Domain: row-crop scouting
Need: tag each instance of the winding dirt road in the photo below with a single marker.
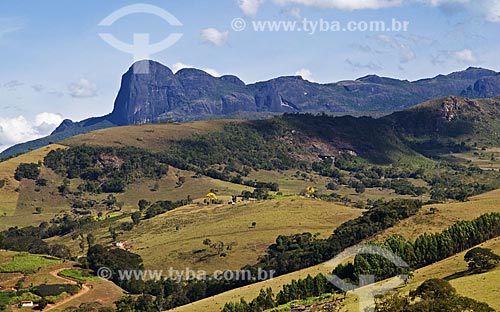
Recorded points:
(83, 291)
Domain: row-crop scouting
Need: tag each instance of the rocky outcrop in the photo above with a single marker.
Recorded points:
(192, 94)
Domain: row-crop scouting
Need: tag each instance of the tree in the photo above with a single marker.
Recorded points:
(143, 204)
(310, 191)
(27, 171)
(42, 304)
(90, 239)
(217, 246)
(112, 232)
(136, 217)
(64, 187)
(332, 186)
(60, 251)
(41, 182)
(434, 295)
(434, 289)
(211, 198)
(81, 244)
(110, 201)
(117, 259)
(360, 188)
(38, 210)
(481, 259)
(181, 181)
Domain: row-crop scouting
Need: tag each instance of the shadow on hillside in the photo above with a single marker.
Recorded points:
(460, 274)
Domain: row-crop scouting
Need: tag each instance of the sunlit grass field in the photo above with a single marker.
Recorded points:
(11, 262)
(486, 284)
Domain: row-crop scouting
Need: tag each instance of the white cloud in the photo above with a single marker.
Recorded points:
(344, 4)
(19, 129)
(492, 12)
(444, 2)
(305, 73)
(179, 65)
(465, 56)
(45, 119)
(486, 9)
(82, 89)
(214, 36)
(250, 7)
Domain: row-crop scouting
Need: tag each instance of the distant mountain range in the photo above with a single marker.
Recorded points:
(192, 94)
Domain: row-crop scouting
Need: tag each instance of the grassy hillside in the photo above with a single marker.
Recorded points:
(410, 228)
(13, 262)
(18, 205)
(168, 187)
(231, 224)
(446, 215)
(179, 234)
(152, 137)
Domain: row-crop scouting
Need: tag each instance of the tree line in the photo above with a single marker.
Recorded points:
(425, 249)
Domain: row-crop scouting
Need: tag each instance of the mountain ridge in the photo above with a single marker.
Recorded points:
(192, 94)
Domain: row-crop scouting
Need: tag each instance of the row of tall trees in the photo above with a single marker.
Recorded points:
(425, 249)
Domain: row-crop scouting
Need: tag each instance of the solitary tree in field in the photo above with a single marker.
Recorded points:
(481, 259)
(310, 191)
(360, 189)
(211, 198)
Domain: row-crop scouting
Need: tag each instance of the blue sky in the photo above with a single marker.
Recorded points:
(55, 65)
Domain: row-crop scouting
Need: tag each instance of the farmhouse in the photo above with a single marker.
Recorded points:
(27, 303)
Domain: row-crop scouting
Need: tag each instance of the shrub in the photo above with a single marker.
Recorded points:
(27, 171)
